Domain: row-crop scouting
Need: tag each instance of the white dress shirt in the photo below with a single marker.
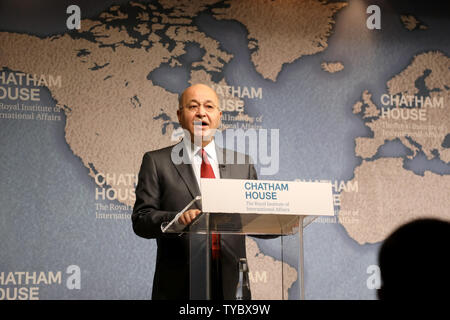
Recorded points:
(195, 156)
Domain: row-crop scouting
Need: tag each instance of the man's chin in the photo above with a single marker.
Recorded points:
(205, 136)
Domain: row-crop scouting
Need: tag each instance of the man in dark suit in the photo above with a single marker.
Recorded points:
(166, 186)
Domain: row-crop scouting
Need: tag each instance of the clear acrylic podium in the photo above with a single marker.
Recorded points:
(269, 273)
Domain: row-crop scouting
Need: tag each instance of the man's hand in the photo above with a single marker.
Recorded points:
(188, 216)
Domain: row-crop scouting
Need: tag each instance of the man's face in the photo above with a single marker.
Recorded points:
(200, 113)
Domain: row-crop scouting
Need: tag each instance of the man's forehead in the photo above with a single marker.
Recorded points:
(198, 101)
(200, 94)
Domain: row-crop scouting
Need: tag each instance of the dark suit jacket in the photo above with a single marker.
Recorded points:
(164, 189)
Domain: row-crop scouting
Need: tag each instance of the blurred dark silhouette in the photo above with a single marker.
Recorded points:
(414, 262)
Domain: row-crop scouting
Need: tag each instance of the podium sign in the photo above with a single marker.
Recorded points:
(267, 197)
(249, 207)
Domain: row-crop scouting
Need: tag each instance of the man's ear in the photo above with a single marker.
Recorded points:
(220, 118)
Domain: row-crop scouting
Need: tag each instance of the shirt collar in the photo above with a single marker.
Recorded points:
(194, 149)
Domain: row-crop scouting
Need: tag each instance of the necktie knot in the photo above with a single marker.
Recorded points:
(204, 156)
(206, 170)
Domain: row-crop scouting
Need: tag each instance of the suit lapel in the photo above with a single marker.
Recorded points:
(224, 168)
(224, 171)
(187, 175)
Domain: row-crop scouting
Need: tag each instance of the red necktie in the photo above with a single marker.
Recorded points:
(206, 171)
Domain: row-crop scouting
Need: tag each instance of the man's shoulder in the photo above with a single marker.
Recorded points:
(160, 153)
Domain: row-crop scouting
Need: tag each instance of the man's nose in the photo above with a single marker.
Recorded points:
(201, 111)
